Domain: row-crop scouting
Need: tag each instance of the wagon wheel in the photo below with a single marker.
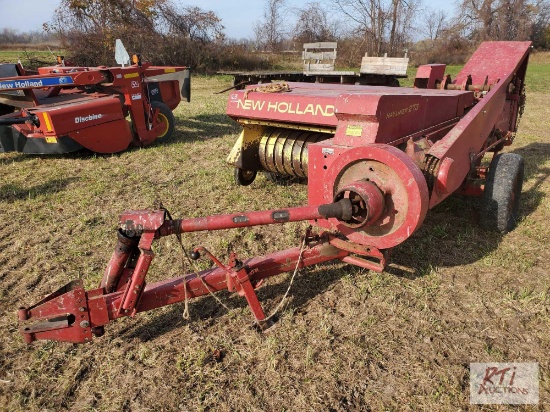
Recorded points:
(499, 209)
(164, 122)
(393, 82)
(244, 177)
(6, 109)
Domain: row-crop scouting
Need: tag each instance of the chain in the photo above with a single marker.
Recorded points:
(185, 255)
(522, 99)
(185, 313)
(302, 248)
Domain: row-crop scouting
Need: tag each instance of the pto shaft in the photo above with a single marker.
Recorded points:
(341, 210)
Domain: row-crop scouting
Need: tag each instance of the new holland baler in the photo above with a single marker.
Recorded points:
(376, 160)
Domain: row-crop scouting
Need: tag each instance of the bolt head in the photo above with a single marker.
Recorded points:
(195, 255)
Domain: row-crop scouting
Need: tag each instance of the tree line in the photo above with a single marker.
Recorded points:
(394, 26)
(12, 37)
(167, 33)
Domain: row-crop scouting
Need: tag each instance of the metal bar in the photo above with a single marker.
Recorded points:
(474, 128)
(483, 152)
(236, 86)
(244, 288)
(167, 292)
(364, 263)
(123, 249)
(471, 87)
(16, 120)
(135, 286)
(428, 132)
(263, 217)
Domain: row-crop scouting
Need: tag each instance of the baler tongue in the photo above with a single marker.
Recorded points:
(73, 315)
(61, 316)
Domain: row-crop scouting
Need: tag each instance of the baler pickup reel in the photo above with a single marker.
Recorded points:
(72, 314)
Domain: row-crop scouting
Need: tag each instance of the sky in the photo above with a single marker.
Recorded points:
(238, 16)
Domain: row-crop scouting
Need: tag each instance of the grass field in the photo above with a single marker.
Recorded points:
(30, 59)
(347, 339)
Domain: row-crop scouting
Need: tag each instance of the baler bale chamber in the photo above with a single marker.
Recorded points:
(376, 160)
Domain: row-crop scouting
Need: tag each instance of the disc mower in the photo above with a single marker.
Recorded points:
(63, 109)
(376, 160)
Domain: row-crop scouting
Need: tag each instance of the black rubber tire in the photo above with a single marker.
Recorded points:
(277, 179)
(244, 177)
(6, 109)
(166, 116)
(394, 83)
(499, 209)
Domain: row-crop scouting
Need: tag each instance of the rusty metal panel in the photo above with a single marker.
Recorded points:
(496, 60)
(428, 74)
(494, 63)
(384, 118)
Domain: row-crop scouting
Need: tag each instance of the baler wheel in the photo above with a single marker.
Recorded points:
(393, 83)
(499, 209)
(166, 117)
(244, 177)
(277, 179)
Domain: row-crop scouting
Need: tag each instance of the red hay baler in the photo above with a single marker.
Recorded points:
(376, 159)
(103, 109)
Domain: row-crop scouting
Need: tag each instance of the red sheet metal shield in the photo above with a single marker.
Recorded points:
(406, 195)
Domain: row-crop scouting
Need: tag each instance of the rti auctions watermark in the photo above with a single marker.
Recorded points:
(504, 383)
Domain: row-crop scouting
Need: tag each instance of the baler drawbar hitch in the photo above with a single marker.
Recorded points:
(72, 314)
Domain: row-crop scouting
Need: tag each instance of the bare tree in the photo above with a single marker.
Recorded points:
(499, 19)
(404, 13)
(385, 25)
(540, 34)
(440, 40)
(313, 24)
(367, 18)
(433, 25)
(192, 23)
(269, 32)
(11, 36)
(88, 28)
(163, 33)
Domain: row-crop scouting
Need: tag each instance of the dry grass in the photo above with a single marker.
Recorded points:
(30, 57)
(541, 57)
(347, 340)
